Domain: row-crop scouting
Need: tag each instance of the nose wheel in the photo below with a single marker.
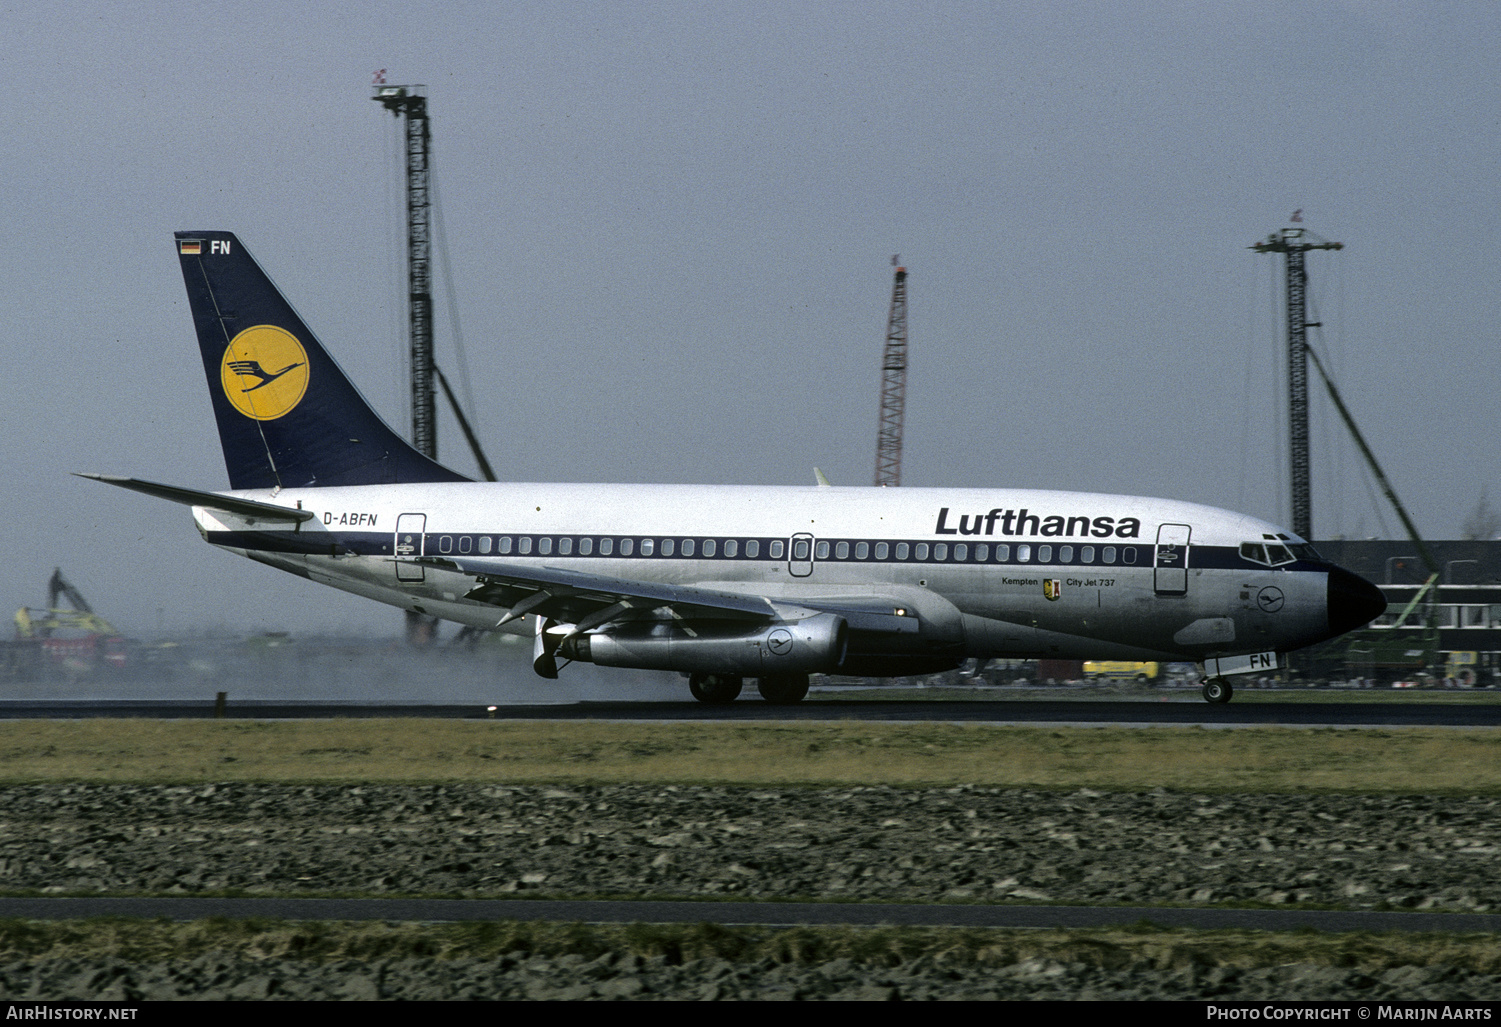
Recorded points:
(1217, 690)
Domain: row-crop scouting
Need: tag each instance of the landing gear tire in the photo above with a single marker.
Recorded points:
(783, 689)
(715, 689)
(1217, 690)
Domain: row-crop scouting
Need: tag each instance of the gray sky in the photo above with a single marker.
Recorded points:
(671, 227)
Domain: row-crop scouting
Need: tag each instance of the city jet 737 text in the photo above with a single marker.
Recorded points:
(723, 583)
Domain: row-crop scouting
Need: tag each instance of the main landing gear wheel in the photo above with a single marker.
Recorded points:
(783, 689)
(1217, 690)
(716, 689)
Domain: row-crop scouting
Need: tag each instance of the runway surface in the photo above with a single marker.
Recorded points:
(770, 914)
(1177, 709)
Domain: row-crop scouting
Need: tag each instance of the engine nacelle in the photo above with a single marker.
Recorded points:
(812, 645)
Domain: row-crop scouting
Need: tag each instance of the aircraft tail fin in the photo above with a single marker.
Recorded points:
(287, 415)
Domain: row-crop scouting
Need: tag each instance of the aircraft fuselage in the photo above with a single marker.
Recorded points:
(983, 572)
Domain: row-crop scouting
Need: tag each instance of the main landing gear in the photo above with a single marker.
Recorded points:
(783, 689)
(1217, 690)
(718, 689)
(714, 689)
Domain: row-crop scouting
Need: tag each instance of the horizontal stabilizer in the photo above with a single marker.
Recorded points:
(211, 500)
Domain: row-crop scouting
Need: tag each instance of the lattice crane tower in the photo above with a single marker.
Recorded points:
(1294, 243)
(893, 384)
(410, 103)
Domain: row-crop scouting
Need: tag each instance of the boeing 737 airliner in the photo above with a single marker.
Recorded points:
(719, 582)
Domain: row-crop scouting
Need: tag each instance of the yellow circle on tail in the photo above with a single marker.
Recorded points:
(264, 372)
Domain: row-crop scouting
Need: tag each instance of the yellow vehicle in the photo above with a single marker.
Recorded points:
(1120, 670)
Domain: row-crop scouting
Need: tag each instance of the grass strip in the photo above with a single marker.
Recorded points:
(854, 753)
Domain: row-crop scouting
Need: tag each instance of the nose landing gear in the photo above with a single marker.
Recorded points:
(1217, 690)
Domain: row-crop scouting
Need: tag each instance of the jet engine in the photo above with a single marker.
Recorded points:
(812, 645)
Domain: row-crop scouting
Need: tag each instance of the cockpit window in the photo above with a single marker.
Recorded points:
(1273, 554)
(1305, 552)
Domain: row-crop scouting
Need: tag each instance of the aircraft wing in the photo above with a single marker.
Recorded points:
(592, 600)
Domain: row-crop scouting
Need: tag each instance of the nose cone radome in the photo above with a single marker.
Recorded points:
(1353, 601)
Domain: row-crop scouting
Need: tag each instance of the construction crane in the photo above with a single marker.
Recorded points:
(1294, 243)
(32, 623)
(409, 103)
(893, 384)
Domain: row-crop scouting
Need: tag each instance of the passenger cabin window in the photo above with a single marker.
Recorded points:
(1002, 554)
(982, 552)
(586, 546)
(709, 547)
(1108, 554)
(778, 548)
(505, 545)
(687, 547)
(484, 544)
(628, 546)
(961, 553)
(842, 551)
(941, 551)
(544, 545)
(565, 546)
(647, 546)
(823, 550)
(731, 548)
(921, 552)
(1066, 554)
(526, 544)
(667, 547)
(1086, 555)
(752, 549)
(1044, 554)
(606, 546)
(1023, 554)
(862, 550)
(901, 550)
(882, 549)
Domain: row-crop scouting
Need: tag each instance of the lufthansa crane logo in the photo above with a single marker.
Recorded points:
(264, 372)
(779, 642)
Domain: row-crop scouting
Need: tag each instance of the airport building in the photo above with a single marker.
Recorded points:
(1458, 628)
